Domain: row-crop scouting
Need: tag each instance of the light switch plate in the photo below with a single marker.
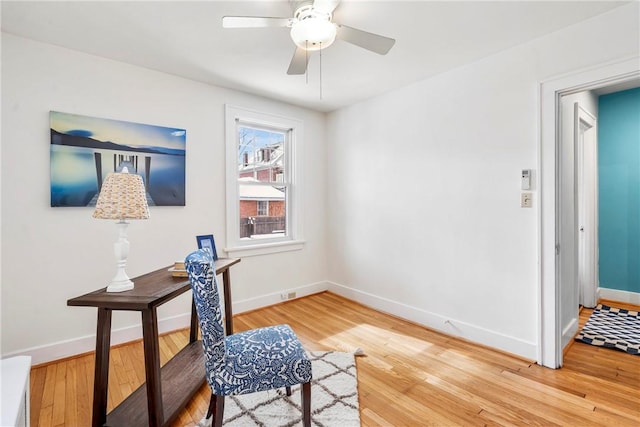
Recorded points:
(526, 200)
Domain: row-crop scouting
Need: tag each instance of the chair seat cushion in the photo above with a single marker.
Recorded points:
(261, 359)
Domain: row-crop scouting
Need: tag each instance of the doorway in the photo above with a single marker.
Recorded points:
(557, 269)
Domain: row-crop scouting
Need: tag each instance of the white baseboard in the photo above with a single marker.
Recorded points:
(569, 332)
(622, 296)
(85, 344)
(275, 298)
(440, 323)
(434, 321)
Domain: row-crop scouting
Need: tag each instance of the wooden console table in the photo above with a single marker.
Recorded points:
(181, 377)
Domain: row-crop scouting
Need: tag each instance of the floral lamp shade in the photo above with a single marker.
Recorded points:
(122, 196)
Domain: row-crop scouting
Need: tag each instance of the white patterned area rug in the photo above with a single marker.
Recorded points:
(612, 328)
(334, 398)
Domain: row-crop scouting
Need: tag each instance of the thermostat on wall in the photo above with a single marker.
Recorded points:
(526, 179)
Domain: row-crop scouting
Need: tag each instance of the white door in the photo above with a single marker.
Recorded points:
(586, 205)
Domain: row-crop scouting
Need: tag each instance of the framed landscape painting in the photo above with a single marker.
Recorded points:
(85, 149)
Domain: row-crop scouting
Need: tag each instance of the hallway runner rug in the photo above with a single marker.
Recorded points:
(612, 328)
(334, 398)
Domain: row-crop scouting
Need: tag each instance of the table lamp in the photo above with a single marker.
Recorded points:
(122, 197)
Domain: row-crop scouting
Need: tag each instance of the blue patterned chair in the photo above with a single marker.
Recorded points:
(246, 362)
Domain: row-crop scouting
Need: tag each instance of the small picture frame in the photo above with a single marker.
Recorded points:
(207, 241)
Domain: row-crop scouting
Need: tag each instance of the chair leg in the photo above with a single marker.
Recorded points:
(306, 404)
(219, 411)
(212, 402)
(288, 391)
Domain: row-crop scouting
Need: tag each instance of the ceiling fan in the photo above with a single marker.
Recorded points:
(312, 28)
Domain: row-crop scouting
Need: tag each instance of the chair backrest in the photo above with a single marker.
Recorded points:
(202, 276)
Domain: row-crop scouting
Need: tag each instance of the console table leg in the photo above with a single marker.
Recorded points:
(228, 312)
(152, 367)
(101, 372)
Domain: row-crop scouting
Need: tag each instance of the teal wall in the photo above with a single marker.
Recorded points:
(619, 190)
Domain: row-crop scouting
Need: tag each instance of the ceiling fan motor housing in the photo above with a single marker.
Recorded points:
(312, 29)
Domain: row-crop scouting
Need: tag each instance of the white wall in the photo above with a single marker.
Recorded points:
(52, 254)
(424, 188)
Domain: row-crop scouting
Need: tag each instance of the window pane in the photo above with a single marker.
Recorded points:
(263, 207)
(262, 211)
(260, 155)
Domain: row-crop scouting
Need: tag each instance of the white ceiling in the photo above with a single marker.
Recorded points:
(186, 38)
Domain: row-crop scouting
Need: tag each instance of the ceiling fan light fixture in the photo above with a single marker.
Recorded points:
(313, 33)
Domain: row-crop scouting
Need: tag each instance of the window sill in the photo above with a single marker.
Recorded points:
(264, 248)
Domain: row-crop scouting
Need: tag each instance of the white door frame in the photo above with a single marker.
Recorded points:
(586, 145)
(549, 333)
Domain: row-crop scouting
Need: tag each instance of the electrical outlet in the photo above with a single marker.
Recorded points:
(283, 297)
(526, 200)
(291, 295)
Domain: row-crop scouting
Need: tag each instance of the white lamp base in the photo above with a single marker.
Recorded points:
(121, 281)
(120, 286)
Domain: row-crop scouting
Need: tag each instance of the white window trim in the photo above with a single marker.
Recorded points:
(293, 241)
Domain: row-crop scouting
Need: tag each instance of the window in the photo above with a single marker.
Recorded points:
(263, 207)
(263, 183)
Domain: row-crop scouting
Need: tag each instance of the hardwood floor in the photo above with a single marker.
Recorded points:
(410, 376)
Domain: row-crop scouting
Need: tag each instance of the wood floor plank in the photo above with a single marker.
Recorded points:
(36, 386)
(84, 390)
(49, 385)
(44, 417)
(410, 376)
(71, 391)
(493, 410)
(59, 390)
(616, 417)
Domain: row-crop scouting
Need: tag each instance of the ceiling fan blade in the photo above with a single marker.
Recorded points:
(373, 42)
(298, 62)
(327, 6)
(255, 22)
